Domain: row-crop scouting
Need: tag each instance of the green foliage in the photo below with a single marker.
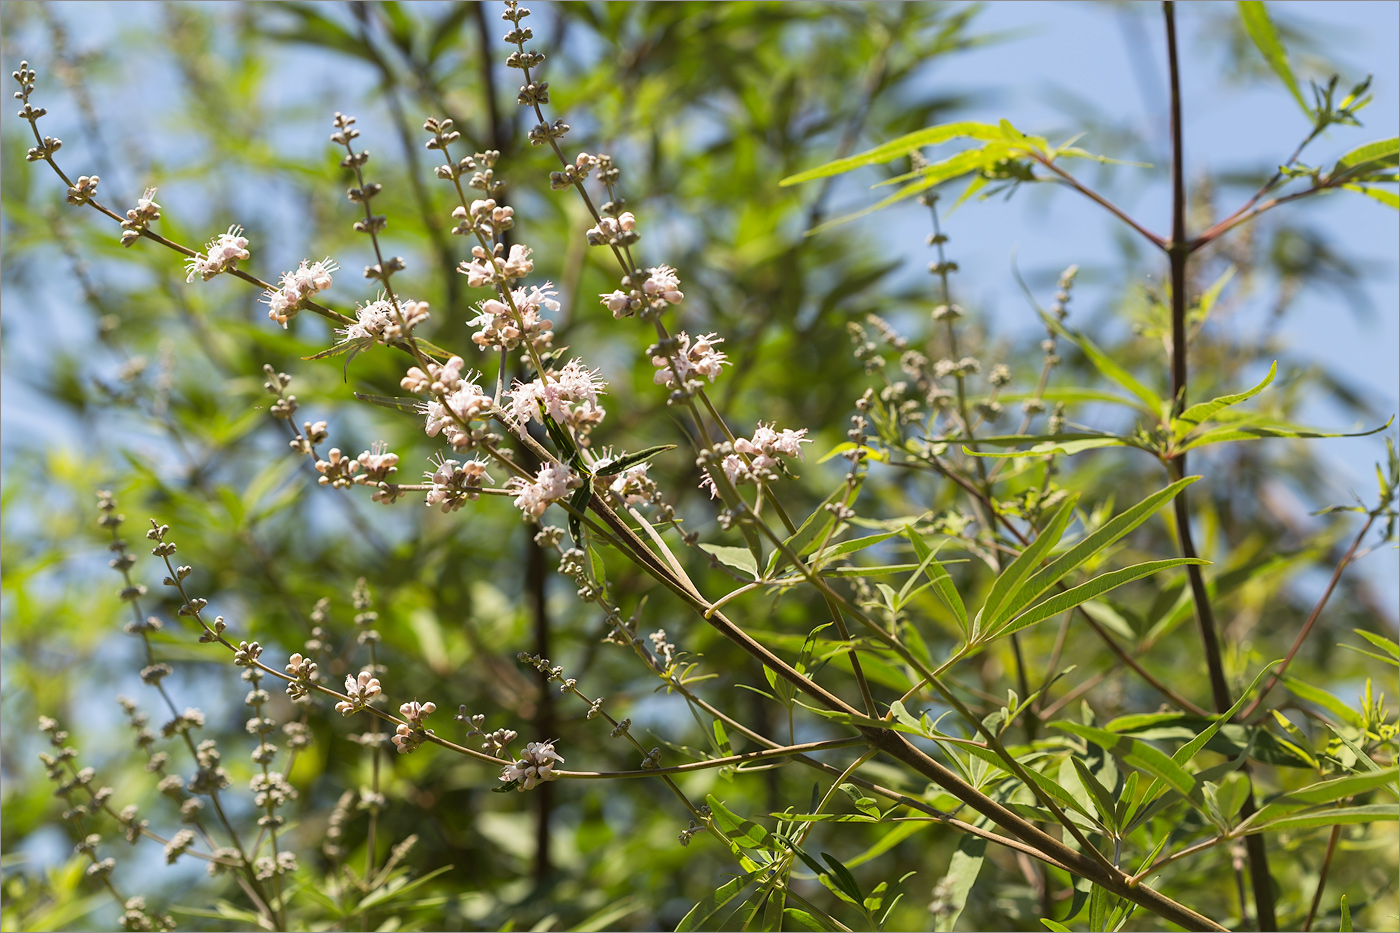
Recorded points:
(823, 699)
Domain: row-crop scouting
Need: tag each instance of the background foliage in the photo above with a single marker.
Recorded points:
(157, 389)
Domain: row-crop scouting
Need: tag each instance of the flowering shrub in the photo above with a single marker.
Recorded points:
(887, 642)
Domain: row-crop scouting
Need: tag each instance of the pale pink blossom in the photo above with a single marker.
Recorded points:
(380, 321)
(453, 486)
(663, 282)
(222, 254)
(361, 690)
(535, 765)
(553, 482)
(572, 384)
(696, 359)
(298, 286)
(451, 416)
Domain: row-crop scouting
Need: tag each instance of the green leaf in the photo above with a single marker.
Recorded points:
(722, 740)
(1383, 153)
(627, 461)
(808, 921)
(970, 160)
(1199, 413)
(963, 869)
(1008, 583)
(1381, 642)
(1106, 365)
(1346, 916)
(895, 148)
(1371, 813)
(737, 557)
(1261, 30)
(1092, 589)
(1067, 444)
(843, 879)
(345, 346)
(715, 901)
(1327, 701)
(851, 546)
(389, 892)
(1388, 198)
(579, 503)
(410, 405)
(1103, 800)
(1249, 432)
(744, 832)
(1095, 543)
(1326, 792)
(938, 578)
(1136, 753)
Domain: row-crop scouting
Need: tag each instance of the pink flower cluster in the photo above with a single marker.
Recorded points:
(535, 765)
(570, 397)
(501, 330)
(762, 451)
(690, 360)
(453, 486)
(296, 287)
(222, 254)
(553, 482)
(379, 320)
(486, 269)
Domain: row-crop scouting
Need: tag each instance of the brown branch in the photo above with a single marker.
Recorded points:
(1311, 619)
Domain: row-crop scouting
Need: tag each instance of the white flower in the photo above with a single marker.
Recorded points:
(457, 410)
(663, 282)
(698, 359)
(572, 384)
(734, 468)
(222, 254)
(621, 304)
(296, 287)
(766, 442)
(518, 264)
(502, 330)
(633, 485)
(552, 483)
(378, 320)
(763, 450)
(360, 690)
(454, 485)
(535, 765)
